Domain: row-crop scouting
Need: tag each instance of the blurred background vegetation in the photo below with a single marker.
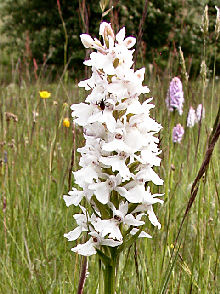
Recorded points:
(35, 33)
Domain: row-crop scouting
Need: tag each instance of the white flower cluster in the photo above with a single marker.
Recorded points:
(120, 147)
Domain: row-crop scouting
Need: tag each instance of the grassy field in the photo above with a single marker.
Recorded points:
(36, 152)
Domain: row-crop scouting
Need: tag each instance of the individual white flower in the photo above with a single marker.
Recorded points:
(75, 196)
(146, 206)
(83, 112)
(121, 215)
(97, 239)
(82, 222)
(102, 189)
(146, 174)
(111, 228)
(117, 163)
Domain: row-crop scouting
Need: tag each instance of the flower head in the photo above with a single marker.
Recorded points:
(120, 148)
(175, 97)
(178, 132)
(191, 118)
(44, 94)
(200, 112)
(66, 122)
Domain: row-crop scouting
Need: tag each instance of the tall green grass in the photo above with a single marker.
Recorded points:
(36, 153)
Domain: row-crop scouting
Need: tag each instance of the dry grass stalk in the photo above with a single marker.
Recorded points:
(140, 31)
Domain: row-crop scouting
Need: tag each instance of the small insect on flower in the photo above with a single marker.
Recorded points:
(66, 122)
(101, 104)
(44, 94)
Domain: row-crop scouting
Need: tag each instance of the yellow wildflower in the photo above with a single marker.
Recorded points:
(171, 246)
(45, 94)
(66, 122)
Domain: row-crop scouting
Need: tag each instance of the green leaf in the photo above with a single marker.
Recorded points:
(128, 241)
(104, 258)
(105, 211)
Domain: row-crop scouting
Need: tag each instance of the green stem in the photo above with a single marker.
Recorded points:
(110, 272)
(109, 279)
(167, 181)
(101, 290)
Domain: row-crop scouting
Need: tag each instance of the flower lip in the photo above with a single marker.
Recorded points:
(117, 217)
(118, 136)
(95, 239)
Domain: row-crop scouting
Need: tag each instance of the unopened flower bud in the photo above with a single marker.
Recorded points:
(105, 31)
(66, 122)
(87, 40)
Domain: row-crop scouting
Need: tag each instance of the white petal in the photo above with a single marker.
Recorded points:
(129, 42)
(116, 145)
(140, 74)
(82, 111)
(117, 164)
(74, 197)
(73, 235)
(136, 194)
(130, 220)
(122, 191)
(85, 249)
(120, 35)
(135, 108)
(153, 219)
(148, 174)
(104, 117)
(101, 191)
(134, 139)
(85, 175)
(116, 234)
(87, 40)
(142, 234)
(123, 207)
(110, 242)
